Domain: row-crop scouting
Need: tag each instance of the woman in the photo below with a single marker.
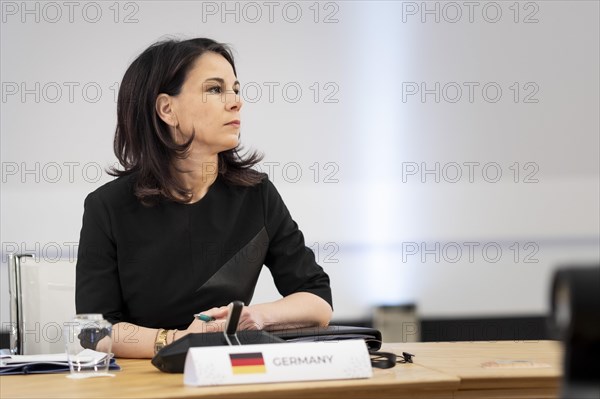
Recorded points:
(188, 225)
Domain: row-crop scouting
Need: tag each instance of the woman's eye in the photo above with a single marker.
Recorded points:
(214, 90)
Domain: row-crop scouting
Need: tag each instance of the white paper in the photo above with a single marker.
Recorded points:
(87, 356)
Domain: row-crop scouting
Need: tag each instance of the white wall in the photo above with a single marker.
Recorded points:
(386, 231)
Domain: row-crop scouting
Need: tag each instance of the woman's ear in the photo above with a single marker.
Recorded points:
(164, 109)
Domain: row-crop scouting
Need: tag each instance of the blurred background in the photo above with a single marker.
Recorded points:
(441, 158)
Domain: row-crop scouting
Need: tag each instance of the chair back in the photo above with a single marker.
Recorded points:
(42, 300)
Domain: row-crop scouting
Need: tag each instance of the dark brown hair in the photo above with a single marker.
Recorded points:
(143, 141)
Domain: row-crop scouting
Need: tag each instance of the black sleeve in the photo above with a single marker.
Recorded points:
(97, 285)
(292, 264)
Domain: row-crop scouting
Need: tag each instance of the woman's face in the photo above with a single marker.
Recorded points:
(209, 105)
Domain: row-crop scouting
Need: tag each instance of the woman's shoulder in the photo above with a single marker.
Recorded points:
(251, 181)
(117, 190)
(268, 192)
(262, 191)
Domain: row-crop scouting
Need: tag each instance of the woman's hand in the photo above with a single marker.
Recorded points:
(198, 326)
(250, 319)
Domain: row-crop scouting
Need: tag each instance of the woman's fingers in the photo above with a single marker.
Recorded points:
(250, 320)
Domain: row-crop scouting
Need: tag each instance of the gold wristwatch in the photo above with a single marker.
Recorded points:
(161, 340)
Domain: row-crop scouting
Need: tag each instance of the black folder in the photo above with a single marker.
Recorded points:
(371, 336)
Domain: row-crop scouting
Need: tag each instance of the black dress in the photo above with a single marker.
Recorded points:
(158, 266)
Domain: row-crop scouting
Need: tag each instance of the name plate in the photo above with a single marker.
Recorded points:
(303, 361)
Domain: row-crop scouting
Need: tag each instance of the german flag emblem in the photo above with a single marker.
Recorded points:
(247, 363)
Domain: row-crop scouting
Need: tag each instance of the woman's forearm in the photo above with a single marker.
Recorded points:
(133, 341)
(300, 309)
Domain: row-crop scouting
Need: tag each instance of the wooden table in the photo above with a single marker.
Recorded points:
(524, 369)
(441, 370)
